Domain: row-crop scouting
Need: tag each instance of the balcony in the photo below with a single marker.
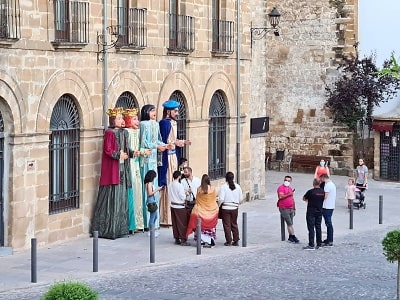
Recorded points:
(71, 24)
(181, 34)
(10, 22)
(132, 29)
(222, 38)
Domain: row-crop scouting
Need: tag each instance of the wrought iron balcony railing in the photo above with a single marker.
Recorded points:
(222, 37)
(132, 28)
(10, 20)
(181, 33)
(71, 21)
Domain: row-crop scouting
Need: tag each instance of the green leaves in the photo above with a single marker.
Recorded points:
(391, 246)
(361, 87)
(392, 69)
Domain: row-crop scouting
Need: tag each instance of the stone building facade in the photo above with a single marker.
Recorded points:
(298, 64)
(56, 82)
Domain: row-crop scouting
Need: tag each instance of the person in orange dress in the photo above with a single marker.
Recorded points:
(206, 208)
(321, 169)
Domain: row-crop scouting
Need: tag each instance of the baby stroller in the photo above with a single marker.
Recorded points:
(359, 202)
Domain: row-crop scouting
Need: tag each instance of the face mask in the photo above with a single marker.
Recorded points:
(322, 164)
(286, 183)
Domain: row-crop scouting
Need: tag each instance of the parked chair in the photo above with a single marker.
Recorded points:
(287, 162)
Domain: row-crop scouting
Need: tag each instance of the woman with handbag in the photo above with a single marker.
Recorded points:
(151, 202)
(230, 195)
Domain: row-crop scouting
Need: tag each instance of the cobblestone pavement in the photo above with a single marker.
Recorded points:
(354, 268)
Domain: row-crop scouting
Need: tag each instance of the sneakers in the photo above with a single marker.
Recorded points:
(235, 243)
(177, 242)
(293, 239)
(156, 233)
(206, 245)
(185, 243)
(308, 248)
(326, 244)
(317, 247)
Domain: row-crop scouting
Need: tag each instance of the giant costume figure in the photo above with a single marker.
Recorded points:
(150, 139)
(111, 212)
(135, 201)
(168, 130)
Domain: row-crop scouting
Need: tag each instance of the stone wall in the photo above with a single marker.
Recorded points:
(297, 66)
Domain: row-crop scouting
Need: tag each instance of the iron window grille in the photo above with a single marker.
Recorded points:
(126, 100)
(217, 137)
(181, 121)
(222, 37)
(64, 150)
(71, 21)
(181, 33)
(132, 29)
(10, 19)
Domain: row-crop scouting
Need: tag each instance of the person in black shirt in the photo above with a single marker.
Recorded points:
(314, 198)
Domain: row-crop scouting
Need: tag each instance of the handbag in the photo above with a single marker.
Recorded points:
(220, 212)
(189, 204)
(152, 207)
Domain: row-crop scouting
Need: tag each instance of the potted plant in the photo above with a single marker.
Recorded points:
(391, 250)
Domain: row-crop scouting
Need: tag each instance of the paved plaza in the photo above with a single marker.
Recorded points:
(354, 268)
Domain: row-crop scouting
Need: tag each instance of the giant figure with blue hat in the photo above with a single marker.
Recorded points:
(168, 131)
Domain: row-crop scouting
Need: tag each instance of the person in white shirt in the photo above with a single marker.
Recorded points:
(190, 184)
(328, 208)
(179, 216)
(229, 197)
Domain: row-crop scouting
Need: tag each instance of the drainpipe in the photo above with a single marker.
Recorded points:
(105, 64)
(238, 95)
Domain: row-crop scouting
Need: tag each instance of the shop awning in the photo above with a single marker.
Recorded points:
(382, 126)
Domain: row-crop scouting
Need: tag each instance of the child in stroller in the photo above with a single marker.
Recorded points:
(359, 202)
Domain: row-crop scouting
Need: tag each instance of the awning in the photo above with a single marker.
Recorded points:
(382, 126)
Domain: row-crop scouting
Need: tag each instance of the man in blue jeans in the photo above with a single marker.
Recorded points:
(327, 208)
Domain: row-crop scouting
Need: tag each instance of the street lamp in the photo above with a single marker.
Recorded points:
(257, 33)
(103, 45)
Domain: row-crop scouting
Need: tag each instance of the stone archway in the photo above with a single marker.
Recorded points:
(65, 82)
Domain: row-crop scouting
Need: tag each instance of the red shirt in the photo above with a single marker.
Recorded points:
(287, 202)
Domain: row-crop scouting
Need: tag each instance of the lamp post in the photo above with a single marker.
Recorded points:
(102, 55)
(257, 33)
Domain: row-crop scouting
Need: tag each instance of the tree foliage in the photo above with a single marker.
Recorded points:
(354, 95)
(392, 69)
(391, 246)
(391, 250)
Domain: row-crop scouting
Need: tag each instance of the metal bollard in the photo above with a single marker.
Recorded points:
(198, 234)
(244, 230)
(351, 214)
(282, 229)
(33, 260)
(152, 244)
(380, 209)
(95, 251)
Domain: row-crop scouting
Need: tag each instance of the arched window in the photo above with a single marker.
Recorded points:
(181, 122)
(64, 152)
(126, 100)
(217, 137)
